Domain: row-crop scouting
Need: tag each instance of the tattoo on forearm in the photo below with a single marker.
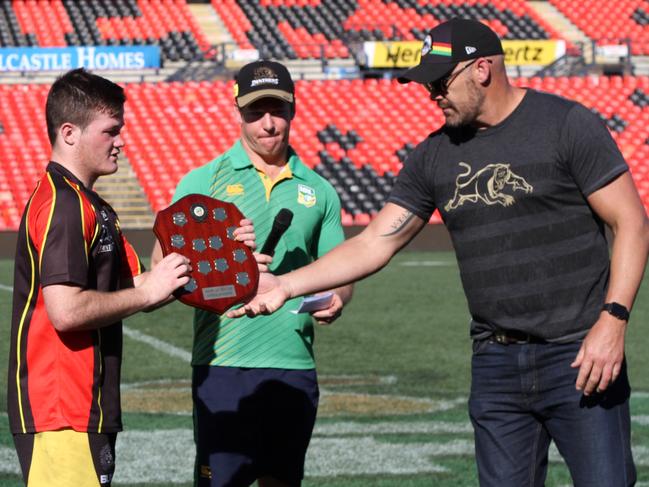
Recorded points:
(399, 224)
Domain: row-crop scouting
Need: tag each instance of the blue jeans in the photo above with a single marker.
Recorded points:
(523, 396)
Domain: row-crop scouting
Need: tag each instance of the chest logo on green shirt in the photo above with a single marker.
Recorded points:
(487, 185)
(305, 195)
(234, 189)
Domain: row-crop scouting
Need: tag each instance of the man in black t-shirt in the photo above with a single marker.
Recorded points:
(526, 183)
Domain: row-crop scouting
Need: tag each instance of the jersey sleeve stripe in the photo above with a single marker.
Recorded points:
(49, 220)
(132, 260)
(23, 316)
(101, 361)
(139, 266)
(95, 235)
(83, 216)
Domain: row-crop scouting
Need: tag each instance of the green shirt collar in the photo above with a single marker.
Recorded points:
(240, 160)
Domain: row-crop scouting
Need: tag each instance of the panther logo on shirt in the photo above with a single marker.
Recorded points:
(487, 185)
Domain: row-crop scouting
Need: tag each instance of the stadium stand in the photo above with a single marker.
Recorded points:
(12, 33)
(610, 22)
(343, 145)
(354, 132)
(304, 29)
(24, 147)
(59, 23)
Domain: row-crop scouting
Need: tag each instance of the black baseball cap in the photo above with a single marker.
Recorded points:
(261, 79)
(449, 43)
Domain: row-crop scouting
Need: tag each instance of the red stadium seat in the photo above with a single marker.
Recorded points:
(357, 132)
(608, 22)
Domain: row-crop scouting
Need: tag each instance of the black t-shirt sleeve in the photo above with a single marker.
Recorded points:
(413, 188)
(591, 154)
(63, 253)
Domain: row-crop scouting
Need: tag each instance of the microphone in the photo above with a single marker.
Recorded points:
(280, 225)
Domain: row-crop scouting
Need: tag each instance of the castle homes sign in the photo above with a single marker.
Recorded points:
(95, 58)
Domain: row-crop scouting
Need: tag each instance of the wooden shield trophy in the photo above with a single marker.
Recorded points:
(224, 271)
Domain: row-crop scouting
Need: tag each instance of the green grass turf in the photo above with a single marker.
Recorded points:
(408, 322)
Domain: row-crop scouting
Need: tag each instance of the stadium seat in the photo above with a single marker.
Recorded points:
(355, 133)
(328, 29)
(54, 23)
(610, 22)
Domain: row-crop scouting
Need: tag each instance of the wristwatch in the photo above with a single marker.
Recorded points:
(616, 309)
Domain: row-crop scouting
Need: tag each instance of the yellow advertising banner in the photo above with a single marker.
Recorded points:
(538, 53)
(392, 54)
(405, 54)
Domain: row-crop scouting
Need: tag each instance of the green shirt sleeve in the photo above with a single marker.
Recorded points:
(331, 230)
(197, 181)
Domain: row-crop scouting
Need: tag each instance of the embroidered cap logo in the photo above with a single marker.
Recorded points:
(264, 75)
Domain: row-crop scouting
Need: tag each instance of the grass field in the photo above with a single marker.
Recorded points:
(394, 375)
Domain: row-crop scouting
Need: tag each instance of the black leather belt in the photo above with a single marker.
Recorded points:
(507, 337)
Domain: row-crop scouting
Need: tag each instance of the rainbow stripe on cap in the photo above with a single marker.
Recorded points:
(441, 49)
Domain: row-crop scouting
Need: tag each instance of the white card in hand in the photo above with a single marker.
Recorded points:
(314, 303)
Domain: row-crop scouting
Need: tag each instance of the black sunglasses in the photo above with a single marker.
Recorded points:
(440, 86)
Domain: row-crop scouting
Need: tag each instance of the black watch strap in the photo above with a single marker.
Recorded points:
(618, 310)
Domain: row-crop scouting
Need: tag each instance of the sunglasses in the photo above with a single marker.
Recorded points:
(258, 110)
(440, 86)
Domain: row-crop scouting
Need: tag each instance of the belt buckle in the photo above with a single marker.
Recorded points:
(500, 337)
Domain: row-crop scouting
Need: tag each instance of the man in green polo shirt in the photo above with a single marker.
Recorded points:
(254, 384)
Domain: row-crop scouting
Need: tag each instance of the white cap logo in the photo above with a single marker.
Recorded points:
(428, 43)
(470, 49)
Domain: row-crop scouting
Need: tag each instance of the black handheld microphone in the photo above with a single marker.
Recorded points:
(280, 225)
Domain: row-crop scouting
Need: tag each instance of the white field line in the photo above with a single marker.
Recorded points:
(8, 460)
(329, 457)
(180, 384)
(382, 379)
(158, 344)
(432, 405)
(167, 455)
(391, 427)
(641, 419)
(153, 342)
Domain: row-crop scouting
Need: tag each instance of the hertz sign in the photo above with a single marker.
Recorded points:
(517, 53)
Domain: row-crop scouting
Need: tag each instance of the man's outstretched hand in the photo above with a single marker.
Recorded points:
(271, 295)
